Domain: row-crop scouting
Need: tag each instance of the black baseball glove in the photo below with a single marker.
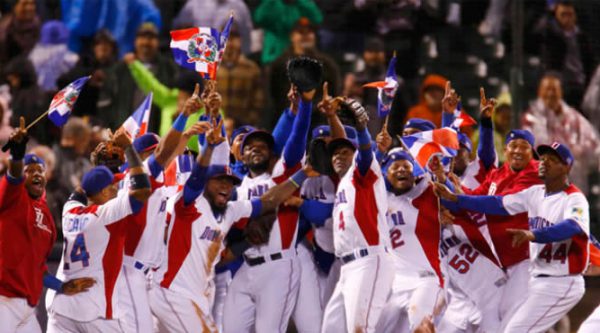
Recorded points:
(305, 73)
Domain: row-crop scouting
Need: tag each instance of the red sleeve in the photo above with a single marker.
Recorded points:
(10, 192)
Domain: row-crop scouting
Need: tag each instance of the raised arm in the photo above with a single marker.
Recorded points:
(147, 82)
(296, 143)
(17, 145)
(486, 204)
(139, 188)
(449, 105)
(365, 154)
(285, 123)
(485, 148)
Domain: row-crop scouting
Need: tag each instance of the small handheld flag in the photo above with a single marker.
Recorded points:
(462, 119)
(137, 124)
(63, 102)
(423, 145)
(387, 89)
(201, 48)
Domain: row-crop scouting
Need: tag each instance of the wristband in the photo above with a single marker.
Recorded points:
(137, 182)
(179, 124)
(51, 282)
(298, 178)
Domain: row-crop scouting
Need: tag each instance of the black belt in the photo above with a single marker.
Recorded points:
(351, 257)
(262, 260)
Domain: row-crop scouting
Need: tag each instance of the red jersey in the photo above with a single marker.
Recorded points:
(503, 181)
(27, 234)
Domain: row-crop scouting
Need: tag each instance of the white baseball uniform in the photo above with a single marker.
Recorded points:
(415, 233)
(591, 323)
(264, 290)
(361, 238)
(183, 302)
(556, 284)
(93, 247)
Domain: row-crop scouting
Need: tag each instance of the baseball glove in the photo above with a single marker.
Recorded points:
(359, 112)
(109, 154)
(318, 157)
(305, 73)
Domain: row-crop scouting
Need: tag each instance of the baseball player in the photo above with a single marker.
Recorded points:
(415, 233)
(94, 232)
(26, 238)
(203, 214)
(360, 233)
(558, 237)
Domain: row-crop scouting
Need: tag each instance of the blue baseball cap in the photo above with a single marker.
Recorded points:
(321, 131)
(33, 159)
(242, 130)
(146, 142)
(399, 154)
(96, 180)
(464, 140)
(520, 134)
(420, 124)
(558, 149)
(222, 171)
(261, 135)
(351, 140)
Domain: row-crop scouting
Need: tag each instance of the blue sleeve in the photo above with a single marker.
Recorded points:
(282, 130)
(365, 156)
(487, 204)
(296, 143)
(485, 149)
(155, 168)
(316, 212)
(239, 168)
(379, 156)
(447, 119)
(136, 205)
(256, 208)
(195, 184)
(51, 282)
(558, 232)
(14, 181)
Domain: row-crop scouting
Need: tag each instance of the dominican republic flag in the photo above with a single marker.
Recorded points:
(201, 48)
(137, 124)
(462, 119)
(387, 89)
(62, 103)
(423, 145)
(180, 169)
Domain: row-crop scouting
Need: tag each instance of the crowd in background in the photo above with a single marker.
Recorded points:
(124, 47)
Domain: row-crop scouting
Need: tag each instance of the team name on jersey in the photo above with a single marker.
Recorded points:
(397, 218)
(340, 197)
(257, 191)
(538, 222)
(478, 218)
(315, 196)
(448, 243)
(211, 234)
(39, 220)
(77, 223)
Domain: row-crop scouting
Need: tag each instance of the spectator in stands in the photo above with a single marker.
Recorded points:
(215, 13)
(5, 114)
(96, 64)
(239, 80)
(430, 101)
(591, 100)
(19, 31)
(120, 96)
(566, 49)
(303, 43)
(278, 18)
(551, 119)
(50, 56)
(502, 119)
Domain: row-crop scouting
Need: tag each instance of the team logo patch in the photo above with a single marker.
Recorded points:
(202, 47)
(577, 213)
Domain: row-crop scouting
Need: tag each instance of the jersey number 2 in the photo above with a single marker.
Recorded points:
(395, 237)
(79, 251)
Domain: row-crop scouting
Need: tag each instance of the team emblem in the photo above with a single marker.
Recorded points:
(202, 47)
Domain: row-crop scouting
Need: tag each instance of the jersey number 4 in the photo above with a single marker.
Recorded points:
(463, 265)
(79, 251)
(560, 254)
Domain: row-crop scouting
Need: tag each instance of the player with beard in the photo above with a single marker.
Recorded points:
(201, 218)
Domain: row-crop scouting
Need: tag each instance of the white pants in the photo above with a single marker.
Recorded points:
(177, 313)
(17, 316)
(464, 315)
(308, 312)
(262, 296)
(549, 299)
(592, 323)
(62, 324)
(222, 282)
(514, 292)
(412, 305)
(360, 294)
(134, 301)
(327, 282)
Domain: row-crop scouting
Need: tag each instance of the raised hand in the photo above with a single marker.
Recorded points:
(77, 286)
(198, 128)
(450, 100)
(436, 166)
(194, 103)
(214, 135)
(328, 106)
(442, 192)
(446, 217)
(292, 96)
(121, 138)
(520, 236)
(486, 106)
(20, 133)
(384, 139)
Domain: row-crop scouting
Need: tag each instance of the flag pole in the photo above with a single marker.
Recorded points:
(37, 119)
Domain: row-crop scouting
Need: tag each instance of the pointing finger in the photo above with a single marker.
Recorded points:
(325, 90)
(197, 89)
(22, 123)
(482, 96)
(448, 87)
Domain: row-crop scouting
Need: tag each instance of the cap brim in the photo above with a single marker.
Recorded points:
(339, 142)
(234, 179)
(261, 135)
(546, 149)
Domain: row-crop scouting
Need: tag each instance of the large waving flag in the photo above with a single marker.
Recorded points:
(137, 124)
(462, 119)
(387, 89)
(201, 48)
(62, 103)
(423, 145)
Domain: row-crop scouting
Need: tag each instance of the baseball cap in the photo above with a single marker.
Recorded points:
(420, 124)
(146, 142)
(558, 149)
(351, 140)
(242, 130)
(261, 135)
(321, 131)
(464, 140)
(33, 159)
(520, 134)
(222, 171)
(399, 154)
(147, 29)
(54, 32)
(96, 180)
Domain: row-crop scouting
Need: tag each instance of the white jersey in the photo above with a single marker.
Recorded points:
(195, 243)
(562, 258)
(474, 175)
(414, 226)
(93, 247)
(359, 210)
(322, 189)
(285, 228)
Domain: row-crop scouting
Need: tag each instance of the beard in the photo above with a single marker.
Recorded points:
(260, 167)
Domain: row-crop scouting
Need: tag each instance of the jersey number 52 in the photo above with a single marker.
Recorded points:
(463, 265)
